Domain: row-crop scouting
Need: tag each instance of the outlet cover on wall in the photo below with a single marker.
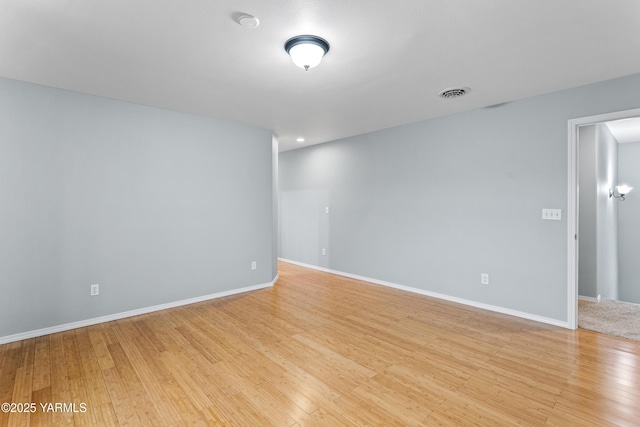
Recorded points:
(484, 278)
(253, 265)
(324, 251)
(95, 290)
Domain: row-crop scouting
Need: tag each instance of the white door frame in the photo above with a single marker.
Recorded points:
(572, 205)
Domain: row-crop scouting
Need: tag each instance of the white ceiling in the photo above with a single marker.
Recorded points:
(625, 130)
(388, 58)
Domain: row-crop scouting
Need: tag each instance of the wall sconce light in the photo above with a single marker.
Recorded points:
(306, 51)
(620, 191)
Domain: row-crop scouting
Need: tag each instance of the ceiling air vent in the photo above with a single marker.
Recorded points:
(455, 92)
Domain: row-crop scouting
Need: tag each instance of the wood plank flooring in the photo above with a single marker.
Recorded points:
(323, 350)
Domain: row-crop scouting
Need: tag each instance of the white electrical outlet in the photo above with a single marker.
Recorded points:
(95, 290)
(484, 278)
(324, 251)
(326, 210)
(253, 265)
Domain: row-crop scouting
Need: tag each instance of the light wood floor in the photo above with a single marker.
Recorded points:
(318, 349)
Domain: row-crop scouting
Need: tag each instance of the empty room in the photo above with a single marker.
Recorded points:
(319, 213)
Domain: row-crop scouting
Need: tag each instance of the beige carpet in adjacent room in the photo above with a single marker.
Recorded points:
(610, 317)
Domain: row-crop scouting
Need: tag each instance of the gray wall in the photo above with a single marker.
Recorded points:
(433, 204)
(629, 223)
(155, 206)
(305, 226)
(587, 243)
(598, 221)
(607, 210)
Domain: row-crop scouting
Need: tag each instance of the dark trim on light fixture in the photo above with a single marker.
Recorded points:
(319, 41)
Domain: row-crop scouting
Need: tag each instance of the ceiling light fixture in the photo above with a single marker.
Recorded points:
(306, 51)
(300, 139)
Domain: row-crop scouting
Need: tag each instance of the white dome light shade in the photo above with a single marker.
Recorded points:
(306, 55)
(306, 51)
(623, 189)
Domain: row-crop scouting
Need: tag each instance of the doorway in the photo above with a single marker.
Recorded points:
(574, 126)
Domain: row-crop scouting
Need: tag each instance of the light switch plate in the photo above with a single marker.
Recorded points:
(552, 214)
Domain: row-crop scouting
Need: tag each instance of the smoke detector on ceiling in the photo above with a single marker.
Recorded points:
(247, 21)
(454, 92)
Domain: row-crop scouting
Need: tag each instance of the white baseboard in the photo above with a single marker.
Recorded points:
(471, 303)
(131, 313)
(587, 298)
